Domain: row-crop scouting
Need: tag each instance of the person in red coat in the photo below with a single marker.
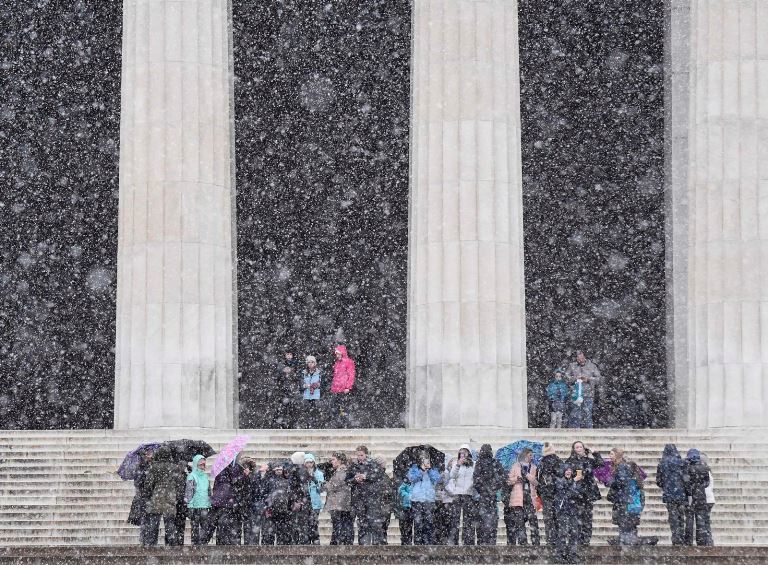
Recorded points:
(341, 386)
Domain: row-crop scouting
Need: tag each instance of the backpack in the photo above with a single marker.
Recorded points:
(278, 500)
(635, 505)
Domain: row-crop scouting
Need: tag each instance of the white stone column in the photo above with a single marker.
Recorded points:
(466, 345)
(175, 342)
(728, 214)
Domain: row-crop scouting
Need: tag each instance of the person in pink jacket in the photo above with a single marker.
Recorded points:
(521, 508)
(341, 386)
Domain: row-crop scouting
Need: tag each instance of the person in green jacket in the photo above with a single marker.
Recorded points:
(198, 498)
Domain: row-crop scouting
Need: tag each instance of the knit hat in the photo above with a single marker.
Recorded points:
(548, 449)
(311, 359)
(298, 458)
(309, 457)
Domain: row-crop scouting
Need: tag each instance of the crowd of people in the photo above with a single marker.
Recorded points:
(280, 502)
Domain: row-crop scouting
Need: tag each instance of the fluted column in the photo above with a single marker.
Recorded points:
(175, 345)
(466, 356)
(728, 200)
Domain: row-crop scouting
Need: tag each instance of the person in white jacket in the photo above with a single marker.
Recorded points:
(460, 487)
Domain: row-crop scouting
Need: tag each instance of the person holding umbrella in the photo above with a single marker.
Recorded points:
(164, 480)
(226, 504)
(197, 495)
(139, 468)
(522, 480)
(423, 479)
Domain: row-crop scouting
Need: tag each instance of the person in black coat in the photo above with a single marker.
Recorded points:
(488, 478)
(548, 472)
(263, 532)
(584, 463)
(364, 478)
(670, 478)
(139, 504)
(278, 505)
(569, 492)
(696, 479)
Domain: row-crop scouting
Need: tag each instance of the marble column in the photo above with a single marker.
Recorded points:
(466, 344)
(728, 214)
(176, 343)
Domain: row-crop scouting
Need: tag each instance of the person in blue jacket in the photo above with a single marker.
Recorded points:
(423, 479)
(314, 486)
(557, 394)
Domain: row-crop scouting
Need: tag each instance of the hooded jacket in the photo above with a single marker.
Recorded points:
(423, 483)
(315, 484)
(696, 479)
(489, 475)
(549, 468)
(343, 372)
(670, 475)
(198, 492)
(460, 477)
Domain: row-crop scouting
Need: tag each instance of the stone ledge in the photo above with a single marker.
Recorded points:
(377, 554)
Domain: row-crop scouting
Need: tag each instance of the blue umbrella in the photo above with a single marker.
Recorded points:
(507, 455)
(127, 469)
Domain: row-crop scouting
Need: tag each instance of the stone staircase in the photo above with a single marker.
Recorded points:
(60, 487)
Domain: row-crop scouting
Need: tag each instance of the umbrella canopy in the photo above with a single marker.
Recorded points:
(604, 472)
(327, 469)
(184, 450)
(228, 454)
(411, 455)
(127, 469)
(507, 455)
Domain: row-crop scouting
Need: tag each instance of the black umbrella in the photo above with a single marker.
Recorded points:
(185, 449)
(411, 455)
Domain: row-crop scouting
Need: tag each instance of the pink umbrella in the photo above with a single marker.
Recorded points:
(228, 454)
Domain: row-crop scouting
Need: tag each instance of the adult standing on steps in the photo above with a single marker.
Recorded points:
(164, 480)
(197, 495)
(696, 479)
(341, 386)
(339, 502)
(363, 476)
(522, 480)
(670, 479)
(138, 510)
(710, 495)
(423, 479)
(584, 376)
(488, 478)
(584, 463)
(459, 486)
(548, 473)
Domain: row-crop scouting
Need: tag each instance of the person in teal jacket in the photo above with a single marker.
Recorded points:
(405, 518)
(198, 498)
(316, 482)
(557, 394)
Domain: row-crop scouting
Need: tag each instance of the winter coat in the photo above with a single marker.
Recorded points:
(226, 489)
(365, 492)
(488, 477)
(260, 486)
(460, 479)
(140, 498)
(165, 480)
(314, 486)
(519, 478)
(343, 372)
(404, 492)
(621, 484)
(569, 496)
(423, 483)
(311, 384)
(338, 492)
(549, 468)
(670, 475)
(198, 491)
(557, 393)
(696, 479)
(280, 497)
(587, 464)
(588, 369)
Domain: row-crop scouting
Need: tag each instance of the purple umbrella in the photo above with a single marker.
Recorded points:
(603, 473)
(228, 454)
(127, 469)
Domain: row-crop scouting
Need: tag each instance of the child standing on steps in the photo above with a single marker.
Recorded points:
(557, 393)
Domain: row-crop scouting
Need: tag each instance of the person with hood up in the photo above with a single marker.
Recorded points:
(584, 463)
(522, 480)
(627, 496)
(459, 486)
(569, 490)
(548, 473)
(488, 478)
(278, 504)
(165, 478)
(423, 479)
(138, 510)
(226, 503)
(670, 478)
(696, 479)
(363, 478)
(311, 380)
(339, 502)
(341, 386)
(315, 484)
(197, 495)
(261, 531)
